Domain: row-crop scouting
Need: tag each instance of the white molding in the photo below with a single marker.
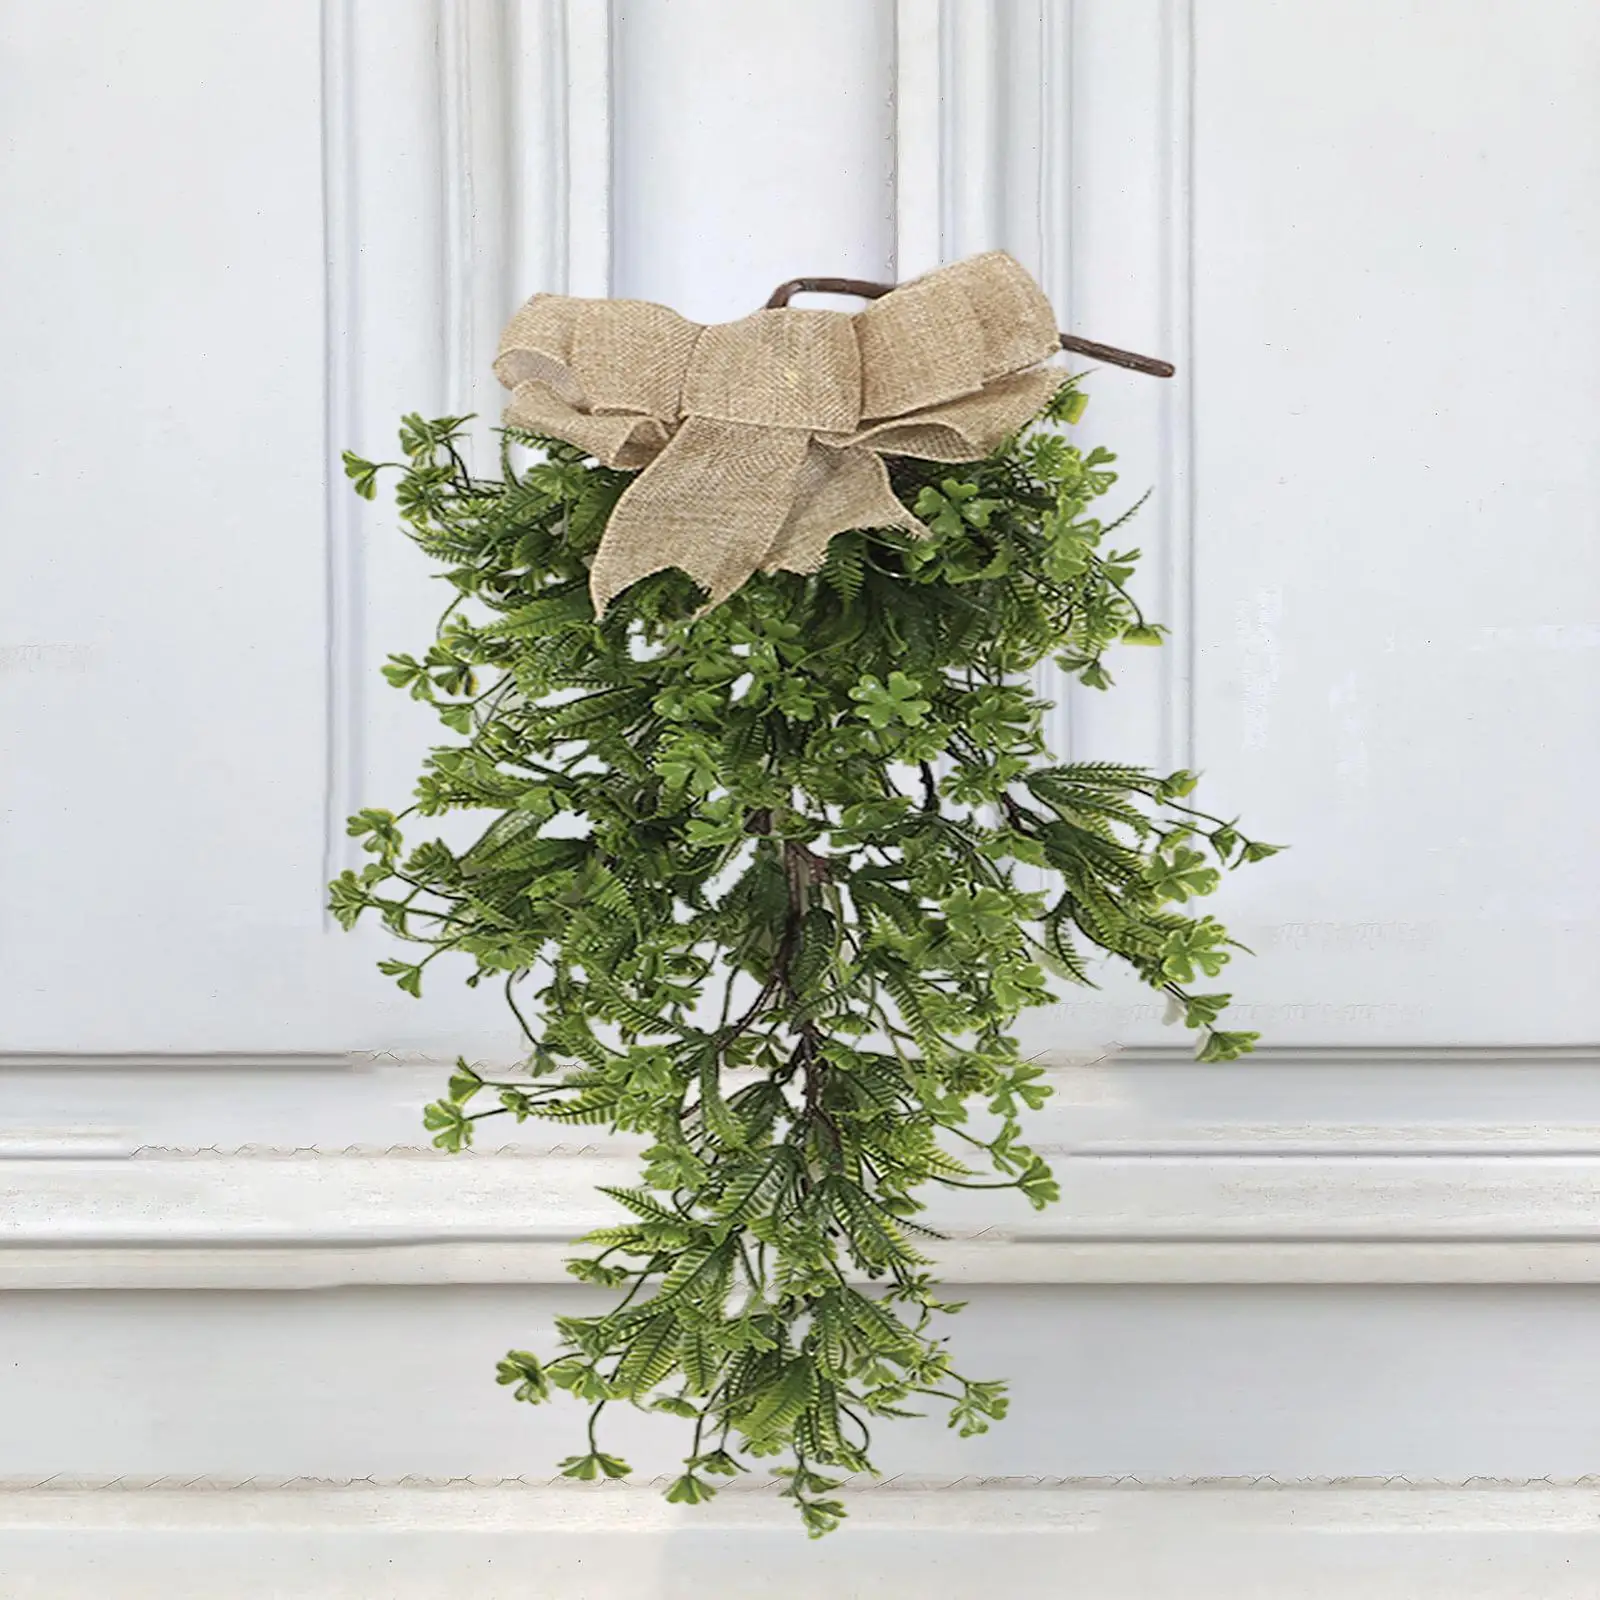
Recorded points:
(559, 140)
(466, 164)
(979, 160)
(1379, 1057)
(444, 1263)
(477, 92)
(973, 148)
(588, 146)
(1124, 229)
(918, 158)
(1174, 500)
(1003, 124)
(1208, 1213)
(607, 1542)
(343, 742)
(1391, 1164)
(1368, 1057)
(180, 1060)
(748, 1492)
(390, 315)
(536, 52)
(1052, 54)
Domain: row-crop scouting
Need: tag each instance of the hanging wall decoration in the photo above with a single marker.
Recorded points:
(738, 662)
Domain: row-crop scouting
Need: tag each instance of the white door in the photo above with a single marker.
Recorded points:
(1322, 1323)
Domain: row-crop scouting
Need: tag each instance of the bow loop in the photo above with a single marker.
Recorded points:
(778, 369)
(761, 439)
(942, 337)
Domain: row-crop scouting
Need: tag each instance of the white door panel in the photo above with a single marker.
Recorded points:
(163, 524)
(1397, 405)
(239, 238)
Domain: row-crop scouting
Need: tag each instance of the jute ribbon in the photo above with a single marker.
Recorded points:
(761, 439)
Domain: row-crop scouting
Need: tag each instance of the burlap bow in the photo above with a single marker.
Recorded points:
(763, 438)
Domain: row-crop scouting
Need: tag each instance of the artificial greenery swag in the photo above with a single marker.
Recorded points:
(751, 889)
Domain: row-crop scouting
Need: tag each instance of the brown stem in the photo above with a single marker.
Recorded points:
(803, 869)
(866, 289)
(749, 1017)
(1152, 366)
(1015, 815)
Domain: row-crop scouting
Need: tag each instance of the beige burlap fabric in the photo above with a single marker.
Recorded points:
(761, 439)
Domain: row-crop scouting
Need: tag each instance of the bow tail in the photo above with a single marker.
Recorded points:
(711, 504)
(626, 440)
(836, 489)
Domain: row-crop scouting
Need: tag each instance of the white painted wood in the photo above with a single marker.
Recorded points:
(1333, 1167)
(317, 223)
(163, 509)
(589, 152)
(479, 175)
(461, 1260)
(1083, 167)
(1214, 1211)
(752, 147)
(918, 148)
(1306, 1102)
(983, 162)
(1310, 1166)
(1436, 1384)
(1372, 1251)
(1381, 555)
(499, 1543)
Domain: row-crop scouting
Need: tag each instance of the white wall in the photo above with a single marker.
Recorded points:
(242, 238)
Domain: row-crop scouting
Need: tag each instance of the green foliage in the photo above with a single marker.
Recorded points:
(805, 808)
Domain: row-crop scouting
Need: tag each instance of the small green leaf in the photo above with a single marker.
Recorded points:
(1143, 633)
(1226, 1046)
(1038, 1185)
(1180, 874)
(524, 1370)
(464, 1082)
(690, 1490)
(592, 1466)
(821, 1516)
(674, 1407)
(363, 475)
(897, 700)
(406, 974)
(1201, 1010)
(454, 1128)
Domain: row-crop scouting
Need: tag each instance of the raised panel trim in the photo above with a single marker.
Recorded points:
(1225, 1209)
(185, 1060)
(500, 187)
(996, 123)
(1171, 1539)
(343, 741)
(1066, 1059)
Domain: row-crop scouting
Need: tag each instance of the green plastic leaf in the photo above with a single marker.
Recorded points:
(690, 1490)
(363, 475)
(766, 888)
(1143, 633)
(594, 1465)
(523, 1370)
